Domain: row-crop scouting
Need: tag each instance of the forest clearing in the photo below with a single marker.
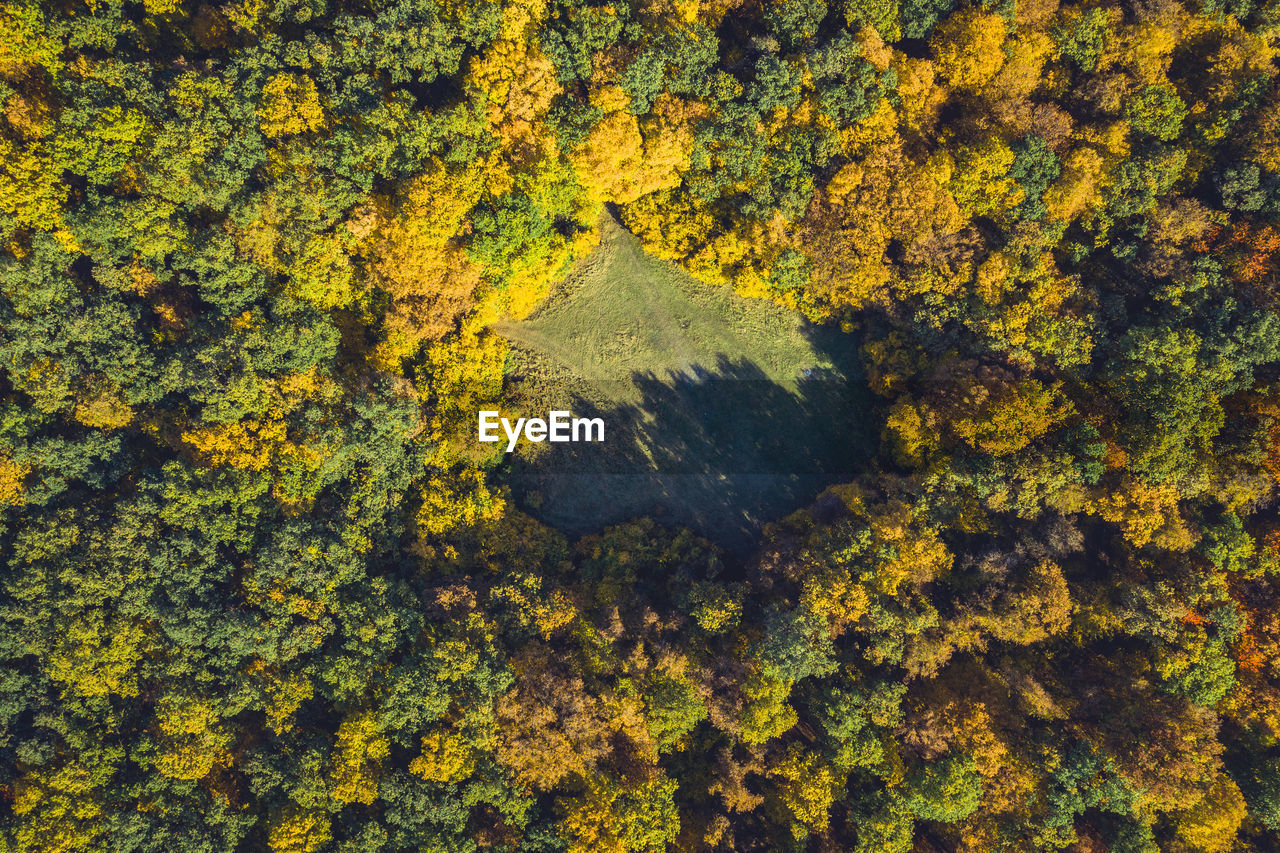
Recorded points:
(725, 412)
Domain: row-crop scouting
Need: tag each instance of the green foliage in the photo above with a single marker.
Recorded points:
(1260, 785)
(854, 719)
(796, 646)
(849, 87)
(795, 22)
(888, 825)
(917, 18)
(946, 791)
(576, 33)
(1156, 111)
(672, 710)
(1082, 36)
(679, 60)
(1035, 167)
(881, 15)
(1228, 546)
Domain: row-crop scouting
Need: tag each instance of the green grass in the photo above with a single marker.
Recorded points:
(623, 310)
(721, 413)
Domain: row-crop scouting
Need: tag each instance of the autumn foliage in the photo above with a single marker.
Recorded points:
(260, 591)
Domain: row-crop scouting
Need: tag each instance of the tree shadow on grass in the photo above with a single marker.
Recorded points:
(721, 450)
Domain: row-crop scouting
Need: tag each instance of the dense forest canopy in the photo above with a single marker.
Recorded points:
(262, 592)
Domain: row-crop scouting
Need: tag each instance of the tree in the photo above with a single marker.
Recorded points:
(1082, 36)
(357, 758)
(290, 105)
(1212, 823)
(262, 588)
(807, 787)
(296, 830)
(193, 742)
(61, 808)
(1156, 111)
(622, 816)
(966, 48)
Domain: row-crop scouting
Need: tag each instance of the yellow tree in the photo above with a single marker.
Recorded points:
(621, 816)
(415, 256)
(357, 759)
(26, 41)
(979, 179)
(807, 786)
(98, 655)
(297, 830)
(624, 157)
(1143, 512)
(1212, 824)
(60, 809)
(12, 477)
(967, 47)
(192, 740)
(290, 105)
(446, 757)
(517, 83)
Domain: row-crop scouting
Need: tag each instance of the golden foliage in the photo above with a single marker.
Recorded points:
(457, 498)
(624, 158)
(546, 612)
(30, 191)
(250, 444)
(257, 443)
(1140, 509)
(446, 757)
(609, 158)
(290, 105)
(298, 830)
(103, 408)
(416, 258)
(807, 786)
(463, 374)
(885, 196)
(1211, 824)
(12, 477)
(26, 41)
(97, 657)
(192, 741)
(1023, 68)
(550, 727)
(967, 47)
(627, 817)
(518, 83)
(835, 596)
(1078, 187)
(1032, 610)
(910, 438)
(919, 555)
(357, 759)
(979, 179)
(1009, 417)
(60, 810)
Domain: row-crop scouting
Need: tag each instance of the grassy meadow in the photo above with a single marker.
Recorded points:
(722, 413)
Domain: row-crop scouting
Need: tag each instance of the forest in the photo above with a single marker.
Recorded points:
(262, 591)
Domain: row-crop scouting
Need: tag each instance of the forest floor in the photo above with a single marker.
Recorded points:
(721, 413)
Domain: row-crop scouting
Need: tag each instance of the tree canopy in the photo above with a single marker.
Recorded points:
(261, 591)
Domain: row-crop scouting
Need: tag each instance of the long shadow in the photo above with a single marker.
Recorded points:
(721, 449)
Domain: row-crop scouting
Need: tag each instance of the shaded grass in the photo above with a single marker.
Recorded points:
(721, 413)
